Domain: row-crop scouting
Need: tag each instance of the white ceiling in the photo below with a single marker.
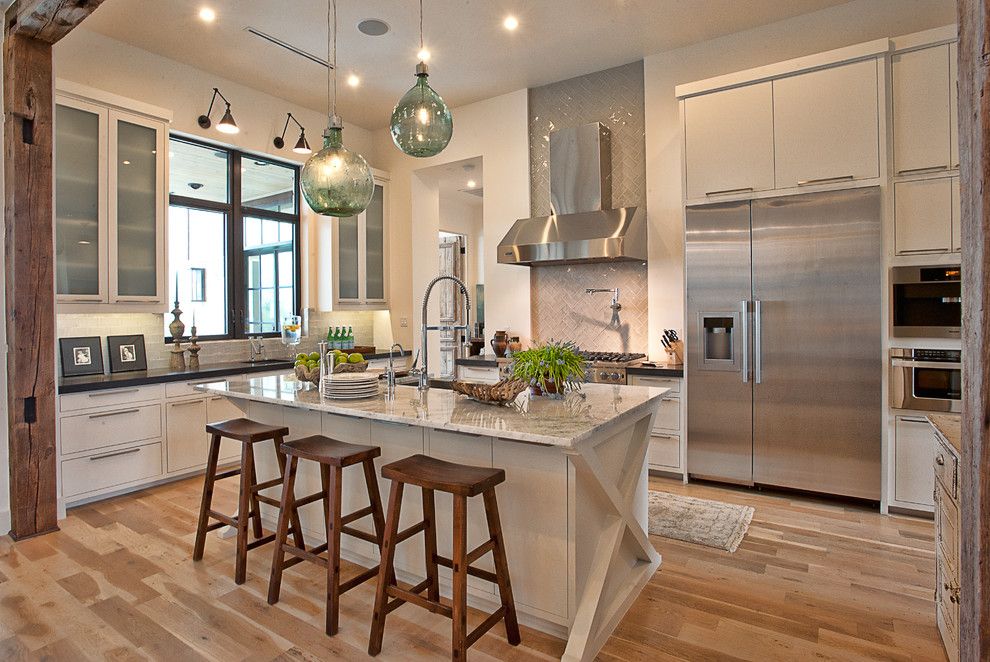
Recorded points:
(451, 180)
(473, 56)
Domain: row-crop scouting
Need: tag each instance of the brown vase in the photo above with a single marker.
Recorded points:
(500, 343)
(551, 389)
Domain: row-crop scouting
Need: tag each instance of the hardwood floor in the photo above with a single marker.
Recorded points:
(812, 580)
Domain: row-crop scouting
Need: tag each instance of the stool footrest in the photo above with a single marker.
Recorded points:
(312, 498)
(311, 555)
(359, 534)
(411, 531)
(215, 526)
(261, 541)
(223, 519)
(271, 501)
(230, 473)
(357, 580)
(412, 595)
(481, 550)
(471, 570)
(265, 485)
(356, 515)
(485, 626)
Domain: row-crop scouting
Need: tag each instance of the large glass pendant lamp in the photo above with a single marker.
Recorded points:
(335, 180)
(421, 122)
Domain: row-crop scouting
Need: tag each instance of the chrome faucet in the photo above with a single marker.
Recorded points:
(390, 371)
(615, 305)
(257, 344)
(424, 375)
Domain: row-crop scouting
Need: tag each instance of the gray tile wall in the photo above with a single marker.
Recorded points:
(560, 308)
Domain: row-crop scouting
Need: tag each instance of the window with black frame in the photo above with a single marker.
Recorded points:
(233, 229)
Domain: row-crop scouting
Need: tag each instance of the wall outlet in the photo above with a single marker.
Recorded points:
(403, 322)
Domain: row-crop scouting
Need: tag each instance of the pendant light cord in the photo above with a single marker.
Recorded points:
(332, 69)
(420, 25)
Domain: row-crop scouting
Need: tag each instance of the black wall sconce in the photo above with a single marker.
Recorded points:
(226, 123)
(302, 146)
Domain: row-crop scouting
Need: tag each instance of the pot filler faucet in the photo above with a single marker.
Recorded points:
(615, 306)
(424, 374)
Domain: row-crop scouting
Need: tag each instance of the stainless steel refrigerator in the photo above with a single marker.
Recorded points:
(784, 342)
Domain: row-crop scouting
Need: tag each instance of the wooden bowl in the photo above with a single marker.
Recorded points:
(501, 393)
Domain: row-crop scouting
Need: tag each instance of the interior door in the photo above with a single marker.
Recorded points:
(451, 264)
(817, 342)
(720, 398)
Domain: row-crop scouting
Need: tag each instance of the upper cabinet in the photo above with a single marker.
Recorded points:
(826, 125)
(924, 110)
(728, 141)
(110, 170)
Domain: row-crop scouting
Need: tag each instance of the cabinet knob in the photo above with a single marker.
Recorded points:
(939, 460)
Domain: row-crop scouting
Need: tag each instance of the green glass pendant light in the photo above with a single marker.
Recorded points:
(335, 180)
(421, 122)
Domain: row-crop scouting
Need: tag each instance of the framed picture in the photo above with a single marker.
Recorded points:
(127, 353)
(81, 356)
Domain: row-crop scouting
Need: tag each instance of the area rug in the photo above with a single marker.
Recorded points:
(700, 521)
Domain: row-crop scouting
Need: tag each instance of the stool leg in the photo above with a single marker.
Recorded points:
(207, 503)
(281, 531)
(458, 597)
(377, 516)
(297, 533)
(385, 569)
(243, 512)
(430, 541)
(502, 568)
(333, 552)
(255, 504)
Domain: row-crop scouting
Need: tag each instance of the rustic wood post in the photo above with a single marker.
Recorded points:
(30, 29)
(974, 171)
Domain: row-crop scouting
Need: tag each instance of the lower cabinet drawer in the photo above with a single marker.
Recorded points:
(102, 471)
(672, 383)
(477, 374)
(86, 432)
(109, 398)
(664, 451)
(668, 415)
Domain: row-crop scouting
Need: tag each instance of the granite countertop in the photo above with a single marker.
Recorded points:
(165, 375)
(949, 428)
(563, 423)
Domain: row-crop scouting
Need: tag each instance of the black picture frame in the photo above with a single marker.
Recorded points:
(127, 353)
(81, 356)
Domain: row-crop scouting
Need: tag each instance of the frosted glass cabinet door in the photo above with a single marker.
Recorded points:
(136, 172)
(80, 200)
(375, 246)
(348, 272)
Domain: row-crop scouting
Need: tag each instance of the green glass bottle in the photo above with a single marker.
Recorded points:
(350, 337)
(421, 122)
(336, 181)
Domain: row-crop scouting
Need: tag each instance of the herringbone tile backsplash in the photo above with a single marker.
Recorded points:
(560, 308)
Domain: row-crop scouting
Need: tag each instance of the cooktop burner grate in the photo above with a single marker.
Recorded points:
(611, 357)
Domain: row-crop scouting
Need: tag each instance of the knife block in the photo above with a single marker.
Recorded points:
(675, 355)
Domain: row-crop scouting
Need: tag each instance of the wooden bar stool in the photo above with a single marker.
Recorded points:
(461, 481)
(249, 433)
(333, 456)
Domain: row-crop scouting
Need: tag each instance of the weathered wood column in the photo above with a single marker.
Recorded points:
(974, 171)
(30, 29)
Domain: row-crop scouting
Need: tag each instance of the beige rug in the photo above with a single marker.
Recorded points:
(701, 521)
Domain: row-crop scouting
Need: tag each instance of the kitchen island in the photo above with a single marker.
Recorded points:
(573, 506)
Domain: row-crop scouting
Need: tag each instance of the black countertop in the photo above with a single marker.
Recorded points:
(165, 375)
(656, 372)
(477, 362)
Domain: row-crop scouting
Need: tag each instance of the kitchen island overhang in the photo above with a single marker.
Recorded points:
(573, 507)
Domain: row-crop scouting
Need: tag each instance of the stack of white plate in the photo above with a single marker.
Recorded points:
(351, 386)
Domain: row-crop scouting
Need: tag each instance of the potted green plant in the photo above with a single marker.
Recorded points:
(551, 368)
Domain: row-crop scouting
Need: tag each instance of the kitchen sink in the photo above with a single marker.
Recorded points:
(267, 361)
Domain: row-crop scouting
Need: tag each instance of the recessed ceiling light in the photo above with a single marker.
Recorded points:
(373, 27)
(423, 55)
(83, 242)
(510, 23)
(126, 162)
(207, 15)
(471, 183)
(353, 80)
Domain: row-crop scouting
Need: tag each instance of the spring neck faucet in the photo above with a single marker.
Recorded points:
(424, 375)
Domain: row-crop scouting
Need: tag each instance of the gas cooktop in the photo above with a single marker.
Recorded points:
(611, 357)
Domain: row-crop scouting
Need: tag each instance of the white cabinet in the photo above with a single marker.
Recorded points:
(728, 141)
(914, 457)
(826, 126)
(923, 113)
(359, 263)
(185, 434)
(953, 105)
(923, 211)
(478, 373)
(219, 408)
(666, 451)
(110, 173)
(956, 216)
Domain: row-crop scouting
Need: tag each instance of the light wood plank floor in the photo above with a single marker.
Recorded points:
(812, 580)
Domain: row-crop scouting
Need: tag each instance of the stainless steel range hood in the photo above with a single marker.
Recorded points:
(582, 227)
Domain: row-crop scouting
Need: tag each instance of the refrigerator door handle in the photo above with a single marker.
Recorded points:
(744, 323)
(758, 341)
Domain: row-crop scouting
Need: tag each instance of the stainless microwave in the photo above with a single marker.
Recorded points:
(926, 379)
(926, 301)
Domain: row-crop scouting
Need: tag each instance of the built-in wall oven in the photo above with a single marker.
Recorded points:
(926, 379)
(927, 301)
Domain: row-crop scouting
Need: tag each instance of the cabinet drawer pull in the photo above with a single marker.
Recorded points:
(939, 460)
(910, 171)
(951, 299)
(216, 397)
(115, 413)
(100, 395)
(729, 191)
(185, 404)
(663, 436)
(826, 180)
(114, 454)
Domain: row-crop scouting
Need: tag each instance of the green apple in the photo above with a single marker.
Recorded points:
(356, 357)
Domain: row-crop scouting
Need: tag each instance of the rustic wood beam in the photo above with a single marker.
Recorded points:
(47, 20)
(974, 171)
(29, 284)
